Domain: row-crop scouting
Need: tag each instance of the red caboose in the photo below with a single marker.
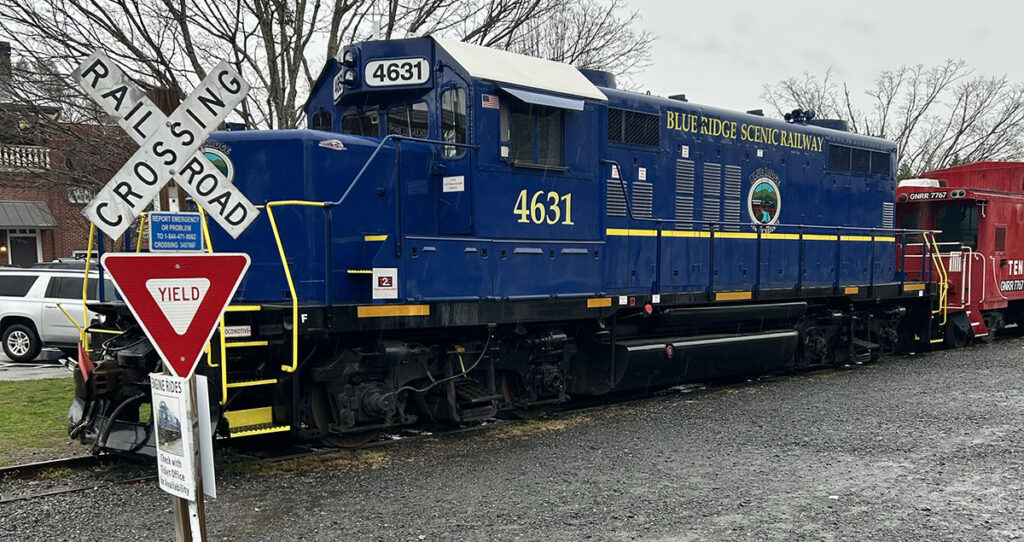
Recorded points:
(979, 212)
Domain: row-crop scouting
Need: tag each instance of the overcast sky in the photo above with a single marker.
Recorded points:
(721, 53)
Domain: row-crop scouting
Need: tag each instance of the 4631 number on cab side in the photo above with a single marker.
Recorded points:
(544, 207)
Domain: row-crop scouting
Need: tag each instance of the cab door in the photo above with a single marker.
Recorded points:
(454, 179)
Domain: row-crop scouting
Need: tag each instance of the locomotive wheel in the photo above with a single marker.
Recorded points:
(323, 416)
(511, 388)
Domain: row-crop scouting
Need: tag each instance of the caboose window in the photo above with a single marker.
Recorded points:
(453, 120)
(409, 120)
(364, 124)
(535, 134)
(959, 224)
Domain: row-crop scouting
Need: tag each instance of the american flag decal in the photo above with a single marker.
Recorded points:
(490, 101)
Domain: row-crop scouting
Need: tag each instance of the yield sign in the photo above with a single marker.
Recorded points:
(178, 299)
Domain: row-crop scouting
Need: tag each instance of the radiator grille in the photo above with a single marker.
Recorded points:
(888, 214)
(712, 193)
(643, 199)
(616, 200)
(684, 193)
(732, 197)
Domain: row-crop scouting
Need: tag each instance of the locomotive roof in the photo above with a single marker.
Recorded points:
(643, 102)
(521, 70)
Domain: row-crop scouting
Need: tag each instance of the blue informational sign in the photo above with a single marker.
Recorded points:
(175, 232)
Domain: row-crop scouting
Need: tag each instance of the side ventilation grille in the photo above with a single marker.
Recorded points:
(732, 197)
(643, 199)
(888, 215)
(616, 200)
(684, 194)
(712, 193)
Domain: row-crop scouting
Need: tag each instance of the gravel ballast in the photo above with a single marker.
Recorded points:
(922, 447)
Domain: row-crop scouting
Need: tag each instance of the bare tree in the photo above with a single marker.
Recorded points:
(939, 116)
(279, 45)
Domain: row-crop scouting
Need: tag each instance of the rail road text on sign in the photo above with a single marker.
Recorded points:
(1016, 285)
(170, 147)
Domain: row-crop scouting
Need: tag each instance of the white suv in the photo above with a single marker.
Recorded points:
(29, 315)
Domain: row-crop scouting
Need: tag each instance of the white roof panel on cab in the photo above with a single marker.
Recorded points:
(922, 183)
(521, 70)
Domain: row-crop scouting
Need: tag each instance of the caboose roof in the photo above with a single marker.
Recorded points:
(521, 70)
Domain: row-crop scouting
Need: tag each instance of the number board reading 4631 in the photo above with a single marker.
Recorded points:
(177, 299)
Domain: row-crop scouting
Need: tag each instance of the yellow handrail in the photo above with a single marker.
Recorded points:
(288, 276)
(81, 332)
(142, 224)
(940, 269)
(82, 335)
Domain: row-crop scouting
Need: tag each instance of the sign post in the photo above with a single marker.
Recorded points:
(177, 299)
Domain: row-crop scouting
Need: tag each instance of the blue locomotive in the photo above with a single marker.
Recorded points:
(463, 231)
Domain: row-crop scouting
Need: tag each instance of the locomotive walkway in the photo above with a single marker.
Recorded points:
(923, 447)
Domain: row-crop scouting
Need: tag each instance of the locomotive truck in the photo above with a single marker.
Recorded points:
(462, 231)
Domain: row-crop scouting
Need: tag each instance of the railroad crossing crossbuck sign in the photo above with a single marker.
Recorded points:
(170, 147)
(177, 298)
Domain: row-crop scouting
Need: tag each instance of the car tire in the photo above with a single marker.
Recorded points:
(21, 343)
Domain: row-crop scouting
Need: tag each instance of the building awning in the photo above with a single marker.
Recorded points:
(26, 214)
(537, 98)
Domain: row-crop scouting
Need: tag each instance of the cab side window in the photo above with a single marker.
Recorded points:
(453, 121)
(409, 120)
(364, 124)
(322, 121)
(534, 134)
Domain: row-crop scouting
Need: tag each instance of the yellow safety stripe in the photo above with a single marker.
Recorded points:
(249, 416)
(732, 296)
(633, 232)
(360, 271)
(378, 311)
(913, 287)
(383, 237)
(242, 308)
(849, 290)
(597, 302)
(685, 233)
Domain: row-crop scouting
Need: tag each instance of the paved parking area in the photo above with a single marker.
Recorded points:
(47, 365)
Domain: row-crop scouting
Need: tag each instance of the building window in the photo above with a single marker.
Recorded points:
(364, 124)
(453, 121)
(534, 134)
(1000, 241)
(409, 120)
(80, 195)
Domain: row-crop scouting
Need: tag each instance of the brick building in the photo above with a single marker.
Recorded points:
(45, 166)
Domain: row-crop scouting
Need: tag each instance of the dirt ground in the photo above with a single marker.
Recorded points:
(923, 447)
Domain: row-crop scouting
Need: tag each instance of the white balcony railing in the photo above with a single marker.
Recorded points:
(24, 157)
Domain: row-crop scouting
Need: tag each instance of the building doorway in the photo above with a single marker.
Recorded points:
(23, 247)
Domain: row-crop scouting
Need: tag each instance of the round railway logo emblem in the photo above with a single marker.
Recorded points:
(764, 201)
(221, 161)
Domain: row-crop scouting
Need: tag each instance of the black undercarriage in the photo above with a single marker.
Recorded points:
(357, 375)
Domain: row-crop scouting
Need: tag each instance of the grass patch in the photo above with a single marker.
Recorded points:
(33, 416)
(528, 428)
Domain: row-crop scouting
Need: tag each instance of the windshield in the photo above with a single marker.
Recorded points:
(959, 224)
